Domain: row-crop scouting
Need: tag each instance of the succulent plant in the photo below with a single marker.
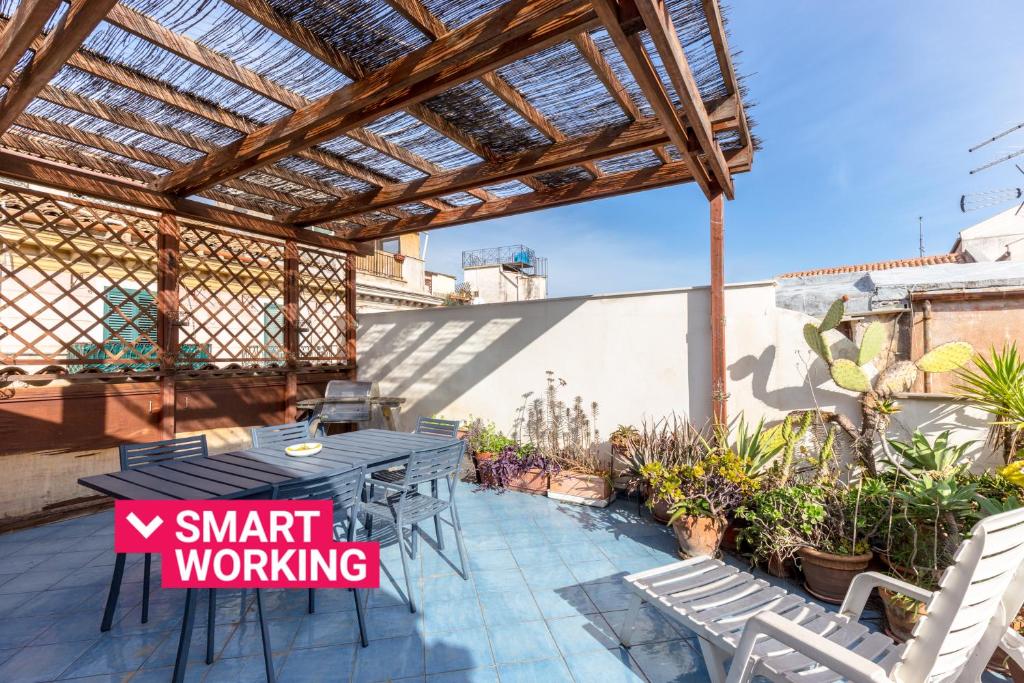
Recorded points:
(876, 396)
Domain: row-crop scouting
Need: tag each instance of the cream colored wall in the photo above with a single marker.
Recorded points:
(638, 355)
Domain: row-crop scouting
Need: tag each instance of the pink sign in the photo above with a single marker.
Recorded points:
(245, 544)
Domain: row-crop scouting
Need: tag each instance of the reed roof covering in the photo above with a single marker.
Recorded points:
(367, 118)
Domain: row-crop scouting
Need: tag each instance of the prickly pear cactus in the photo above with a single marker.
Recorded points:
(834, 316)
(871, 343)
(946, 357)
(850, 376)
(816, 341)
(899, 376)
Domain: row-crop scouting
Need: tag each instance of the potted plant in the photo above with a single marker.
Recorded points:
(659, 447)
(583, 478)
(485, 442)
(519, 468)
(778, 519)
(709, 490)
(997, 386)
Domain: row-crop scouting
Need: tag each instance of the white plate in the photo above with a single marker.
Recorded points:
(301, 450)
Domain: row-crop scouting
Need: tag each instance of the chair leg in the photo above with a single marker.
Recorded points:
(714, 661)
(437, 518)
(268, 660)
(405, 569)
(185, 639)
(414, 533)
(360, 618)
(457, 526)
(211, 624)
(312, 600)
(148, 563)
(629, 625)
(115, 591)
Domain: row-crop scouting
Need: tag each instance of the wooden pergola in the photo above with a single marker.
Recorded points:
(338, 124)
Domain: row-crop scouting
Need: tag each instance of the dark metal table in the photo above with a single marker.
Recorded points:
(250, 472)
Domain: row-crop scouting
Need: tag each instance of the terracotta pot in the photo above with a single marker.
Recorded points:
(699, 535)
(730, 541)
(827, 576)
(1016, 673)
(900, 617)
(584, 489)
(660, 512)
(533, 480)
(483, 474)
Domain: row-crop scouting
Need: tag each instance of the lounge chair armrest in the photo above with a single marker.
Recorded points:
(804, 641)
(1013, 645)
(863, 584)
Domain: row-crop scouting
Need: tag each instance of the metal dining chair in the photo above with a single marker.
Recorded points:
(140, 454)
(279, 436)
(428, 426)
(344, 490)
(354, 409)
(404, 506)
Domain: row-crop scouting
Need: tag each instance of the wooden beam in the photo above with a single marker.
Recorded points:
(167, 307)
(29, 169)
(514, 30)
(666, 41)
(610, 185)
(350, 320)
(79, 21)
(610, 142)
(588, 48)
(25, 25)
(420, 16)
(640, 65)
(719, 388)
(142, 26)
(721, 42)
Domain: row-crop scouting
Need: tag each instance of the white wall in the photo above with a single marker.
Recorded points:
(638, 355)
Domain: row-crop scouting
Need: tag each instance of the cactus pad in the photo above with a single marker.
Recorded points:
(849, 376)
(817, 342)
(871, 343)
(834, 316)
(946, 357)
(897, 377)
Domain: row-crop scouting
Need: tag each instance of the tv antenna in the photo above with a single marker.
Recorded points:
(920, 235)
(981, 200)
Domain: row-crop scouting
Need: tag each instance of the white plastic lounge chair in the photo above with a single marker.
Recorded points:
(769, 632)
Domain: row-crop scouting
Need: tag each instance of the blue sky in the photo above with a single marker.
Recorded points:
(867, 110)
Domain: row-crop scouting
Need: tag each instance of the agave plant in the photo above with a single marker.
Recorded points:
(755, 447)
(997, 386)
(937, 459)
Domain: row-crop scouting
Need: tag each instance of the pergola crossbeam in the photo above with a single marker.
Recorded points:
(25, 25)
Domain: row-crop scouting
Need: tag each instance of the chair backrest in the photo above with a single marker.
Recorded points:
(356, 410)
(343, 488)
(977, 598)
(279, 436)
(435, 463)
(139, 454)
(432, 426)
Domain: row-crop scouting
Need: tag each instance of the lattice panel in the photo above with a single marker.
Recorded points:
(231, 299)
(77, 285)
(321, 306)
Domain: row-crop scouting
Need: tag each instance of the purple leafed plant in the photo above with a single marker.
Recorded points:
(511, 463)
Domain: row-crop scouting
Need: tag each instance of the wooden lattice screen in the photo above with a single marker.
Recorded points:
(81, 292)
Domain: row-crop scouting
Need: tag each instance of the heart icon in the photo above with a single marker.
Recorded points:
(145, 530)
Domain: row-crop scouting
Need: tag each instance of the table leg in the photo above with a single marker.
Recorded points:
(185, 639)
(115, 591)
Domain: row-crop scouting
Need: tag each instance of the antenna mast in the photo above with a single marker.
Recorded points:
(920, 235)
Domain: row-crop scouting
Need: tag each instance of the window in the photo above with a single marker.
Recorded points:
(273, 329)
(391, 246)
(129, 314)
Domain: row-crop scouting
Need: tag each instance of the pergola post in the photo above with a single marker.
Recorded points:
(719, 392)
(167, 302)
(291, 328)
(350, 314)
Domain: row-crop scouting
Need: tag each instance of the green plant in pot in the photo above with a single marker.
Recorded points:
(658, 448)
(777, 520)
(485, 442)
(709, 490)
(996, 385)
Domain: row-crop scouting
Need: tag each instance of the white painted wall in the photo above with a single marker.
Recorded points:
(638, 355)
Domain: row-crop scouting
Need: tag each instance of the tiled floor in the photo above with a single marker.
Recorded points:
(544, 603)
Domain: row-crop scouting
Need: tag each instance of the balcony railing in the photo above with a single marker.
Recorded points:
(381, 264)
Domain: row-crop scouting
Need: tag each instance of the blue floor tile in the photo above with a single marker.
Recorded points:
(521, 642)
(607, 666)
(42, 662)
(330, 628)
(115, 654)
(563, 602)
(458, 650)
(678, 661)
(650, 626)
(537, 671)
(509, 607)
(444, 617)
(319, 664)
(489, 675)
(499, 580)
(389, 659)
(582, 634)
(391, 622)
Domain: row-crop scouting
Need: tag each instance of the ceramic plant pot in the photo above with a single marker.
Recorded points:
(533, 481)
(699, 536)
(901, 615)
(827, 576)
(582, 489)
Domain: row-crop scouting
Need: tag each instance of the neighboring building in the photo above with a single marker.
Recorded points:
(999, 238)
(394, 277)
(499, 274)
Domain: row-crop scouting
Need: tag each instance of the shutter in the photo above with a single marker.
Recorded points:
(273, 328)
(127, 313)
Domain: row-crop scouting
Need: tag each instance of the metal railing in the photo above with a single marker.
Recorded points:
(381, 264)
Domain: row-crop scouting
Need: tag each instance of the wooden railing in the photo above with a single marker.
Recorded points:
(381, 264)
